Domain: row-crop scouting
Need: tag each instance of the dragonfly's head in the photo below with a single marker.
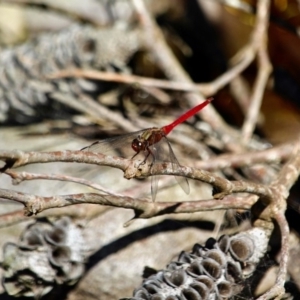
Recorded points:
(137, 145)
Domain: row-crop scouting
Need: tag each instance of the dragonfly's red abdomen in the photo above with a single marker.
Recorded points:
(168, 128)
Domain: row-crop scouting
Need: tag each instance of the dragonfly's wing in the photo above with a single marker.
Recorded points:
(119, 144)
(154, 178)
(163, 152)
(182, 181)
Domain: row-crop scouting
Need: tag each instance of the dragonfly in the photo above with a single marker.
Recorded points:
(149, 142)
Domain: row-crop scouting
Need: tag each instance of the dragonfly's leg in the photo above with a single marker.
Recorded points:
(150, 152)
(135, 155)
(153, 157)
(145, 159)
(90, 146)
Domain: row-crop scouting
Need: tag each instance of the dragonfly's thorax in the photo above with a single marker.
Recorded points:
(148, 138)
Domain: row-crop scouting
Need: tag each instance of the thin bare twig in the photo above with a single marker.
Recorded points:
(95, 110)
(143, 208)
(80, 211)
(18, 177)
(206, 89)
(272, 155)
(259, 42)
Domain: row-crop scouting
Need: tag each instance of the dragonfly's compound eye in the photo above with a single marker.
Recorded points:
(136, 145)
